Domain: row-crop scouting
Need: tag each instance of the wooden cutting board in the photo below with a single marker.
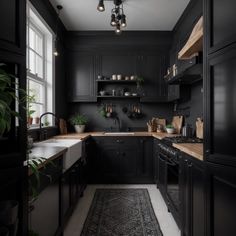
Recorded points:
(199, 128)
(177, 122)
(62, 126)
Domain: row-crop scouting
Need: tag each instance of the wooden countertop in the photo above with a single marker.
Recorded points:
(49, 153)
(192, 149)
(84, 136)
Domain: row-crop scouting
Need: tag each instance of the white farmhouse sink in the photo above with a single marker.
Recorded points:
(118, 133)
(74, 149)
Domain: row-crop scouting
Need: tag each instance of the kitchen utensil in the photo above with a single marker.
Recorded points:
(187, 131)
(199, 128)
(177, 122)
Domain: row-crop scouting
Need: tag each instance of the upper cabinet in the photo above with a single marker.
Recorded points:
(81, 72)
(12, 28)
(151, 67)
(220, 18)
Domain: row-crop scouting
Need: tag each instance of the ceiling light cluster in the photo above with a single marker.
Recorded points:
(118, 18)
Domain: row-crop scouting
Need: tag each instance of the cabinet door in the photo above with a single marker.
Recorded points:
(145, 165)
(162, 174)
(220, 17)
(192, 197)
(110, 159)
(44, 218)
(152, 68)
(220, 109)
(65, 195)
(116, 63)
(13, 26)
(155, 159)
(221, 205)
(81, 77)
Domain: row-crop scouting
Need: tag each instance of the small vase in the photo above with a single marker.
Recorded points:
(79, 128)
(30, 120)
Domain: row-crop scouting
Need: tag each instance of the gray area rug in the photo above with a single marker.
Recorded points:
(121, 212)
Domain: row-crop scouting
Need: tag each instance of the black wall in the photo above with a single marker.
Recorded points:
(181, 34)
(144, 42)
(48, 13)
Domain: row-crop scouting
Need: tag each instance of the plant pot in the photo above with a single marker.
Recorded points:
(170, 130)
(8, 212)
(30, 120)
(36, 120)
(4, 231)
(79, 128)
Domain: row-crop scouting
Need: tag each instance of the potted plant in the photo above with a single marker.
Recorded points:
(170, 129)
(79, 122)
(8, 95)
(139, 81)
(30, 112)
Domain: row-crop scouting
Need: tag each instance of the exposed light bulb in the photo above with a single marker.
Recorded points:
(56, 53)
(118, 30)
(101, 6)
(123, 21)
(113, 20)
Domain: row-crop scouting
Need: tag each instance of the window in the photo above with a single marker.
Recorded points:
(40, 67)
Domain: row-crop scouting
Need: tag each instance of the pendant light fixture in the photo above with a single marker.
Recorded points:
(56, 53)
(118, 18)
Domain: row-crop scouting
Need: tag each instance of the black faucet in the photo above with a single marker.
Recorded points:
(43, 136)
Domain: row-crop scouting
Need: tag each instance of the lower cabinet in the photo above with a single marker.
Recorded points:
(73, 183)
(220, 204)
(192, 181)
(44, 212)
(121, 160)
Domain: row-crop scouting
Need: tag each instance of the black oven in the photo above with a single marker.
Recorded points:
(169, 175)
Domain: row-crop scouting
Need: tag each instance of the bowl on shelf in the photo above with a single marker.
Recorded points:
(134, 94)
(127, 94)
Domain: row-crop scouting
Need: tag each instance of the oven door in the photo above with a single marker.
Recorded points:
(172, 182)
(162, 174)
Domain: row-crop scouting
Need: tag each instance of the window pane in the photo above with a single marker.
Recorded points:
(31, 38)
(32, 62)
(39, 45)
(39, 66)
(38, 108)
(37, 91)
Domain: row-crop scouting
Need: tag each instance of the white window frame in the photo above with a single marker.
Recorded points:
(48, 88)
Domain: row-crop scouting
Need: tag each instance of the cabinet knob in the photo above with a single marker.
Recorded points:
(208, 151)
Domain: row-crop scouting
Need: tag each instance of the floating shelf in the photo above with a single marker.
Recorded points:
(110, 96)
(191, 75)
(117, 81)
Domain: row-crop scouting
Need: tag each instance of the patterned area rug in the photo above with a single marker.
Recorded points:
(121, 212)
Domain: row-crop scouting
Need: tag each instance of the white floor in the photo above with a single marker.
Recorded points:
(166, 221)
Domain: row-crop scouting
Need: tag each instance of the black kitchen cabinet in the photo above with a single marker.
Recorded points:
(220, 109)
(146, 161)
(121, 160)
(162, 175)
(152, 68)
(220, 18)
(41, 220)
(81, 74)
(155, 161)
(73, 183)
(13, 27)
(192, 195)
(220, 204)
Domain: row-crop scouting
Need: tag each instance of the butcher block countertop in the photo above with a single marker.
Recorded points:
(84, 136)
(192, 149)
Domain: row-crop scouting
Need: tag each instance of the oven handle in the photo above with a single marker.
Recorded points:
(167, 159)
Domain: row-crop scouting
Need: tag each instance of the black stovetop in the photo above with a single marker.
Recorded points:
(181, 139)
